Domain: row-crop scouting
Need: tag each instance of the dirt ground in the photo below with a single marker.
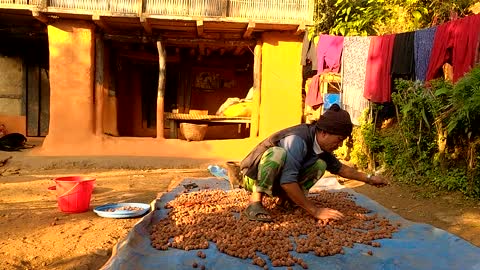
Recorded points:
(34, 234)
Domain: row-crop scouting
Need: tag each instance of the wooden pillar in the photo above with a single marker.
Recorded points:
(257, 82)
(99, 84)
(161, 89)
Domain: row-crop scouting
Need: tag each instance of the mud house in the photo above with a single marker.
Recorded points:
(119, 76)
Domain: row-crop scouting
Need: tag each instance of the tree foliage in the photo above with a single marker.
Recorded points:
(370, 17)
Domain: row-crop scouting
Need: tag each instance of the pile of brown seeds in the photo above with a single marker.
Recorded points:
(215, 215)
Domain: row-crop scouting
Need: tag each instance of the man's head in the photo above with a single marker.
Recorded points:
(333, 127)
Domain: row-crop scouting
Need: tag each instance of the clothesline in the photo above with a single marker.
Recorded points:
(369, 64)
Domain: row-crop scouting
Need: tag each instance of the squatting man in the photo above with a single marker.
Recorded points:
(289, 162)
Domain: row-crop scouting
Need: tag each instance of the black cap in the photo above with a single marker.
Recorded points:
(335, 121)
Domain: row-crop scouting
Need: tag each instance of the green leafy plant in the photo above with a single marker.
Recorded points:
(434, 140)
(461, 116)
(358, 17)
(324, 15)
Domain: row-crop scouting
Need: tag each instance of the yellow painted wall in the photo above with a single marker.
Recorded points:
(71, 45)
(281, 90)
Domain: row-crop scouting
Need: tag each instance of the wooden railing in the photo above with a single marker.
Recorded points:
(116, 6)
(269, 9)
(209, 8)
(21, 2)
(277, 10)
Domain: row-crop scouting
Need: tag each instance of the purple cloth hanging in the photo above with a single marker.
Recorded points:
(423, 44)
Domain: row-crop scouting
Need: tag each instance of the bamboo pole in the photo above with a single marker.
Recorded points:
(161, 89)
(257, 83)
(99, 79)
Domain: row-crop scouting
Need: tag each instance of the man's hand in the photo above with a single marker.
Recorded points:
(295, 193)
(327, 213)
(352, 173)
(378, 181)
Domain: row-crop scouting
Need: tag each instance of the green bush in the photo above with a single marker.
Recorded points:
(435, 137)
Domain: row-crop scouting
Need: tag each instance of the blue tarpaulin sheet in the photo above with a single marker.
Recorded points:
(414, 246)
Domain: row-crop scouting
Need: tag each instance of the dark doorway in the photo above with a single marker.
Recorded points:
(137, 83)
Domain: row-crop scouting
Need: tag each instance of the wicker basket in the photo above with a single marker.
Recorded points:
(193, 132)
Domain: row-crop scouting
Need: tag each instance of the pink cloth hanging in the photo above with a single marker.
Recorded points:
(329, 54)
(377, 78)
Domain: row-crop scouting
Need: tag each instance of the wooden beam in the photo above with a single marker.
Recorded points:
(148, 56)
(231, 35)
(130, 39)
(211, 36)
(300, 29)
(40, 16)
(209, 42)
(200, 28)
(12, 96)
(181, 42)
(146, 25)
(161, 89)
(99, 80)
(97, 19)
(257, 86)
(249, 30)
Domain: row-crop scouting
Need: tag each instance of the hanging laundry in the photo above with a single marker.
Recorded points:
(309, 52)
(455, 42)
(354, 67)
(423, 44)
(403, 63)
(441, 50)
(314, 98)
(329, 53)
(377, 78)
(465, 46)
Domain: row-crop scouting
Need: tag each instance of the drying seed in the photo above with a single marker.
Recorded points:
(196, 218)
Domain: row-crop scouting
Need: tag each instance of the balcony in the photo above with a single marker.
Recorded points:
(265, 11)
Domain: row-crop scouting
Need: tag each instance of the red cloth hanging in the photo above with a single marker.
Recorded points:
(455, 42)
(377, 77)
(440, 55)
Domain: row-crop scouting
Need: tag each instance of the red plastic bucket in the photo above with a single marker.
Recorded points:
(74, 193)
